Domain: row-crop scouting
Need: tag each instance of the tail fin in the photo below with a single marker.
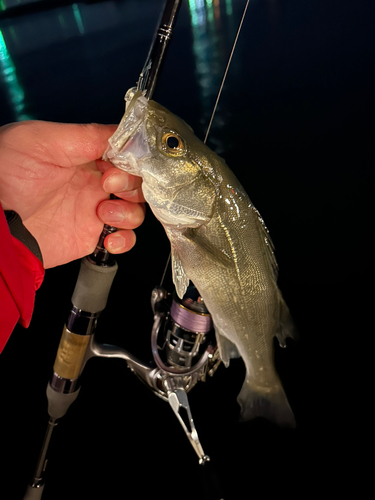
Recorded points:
(270, 403)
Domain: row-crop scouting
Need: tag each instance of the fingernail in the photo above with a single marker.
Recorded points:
(115, 183)
(111, 212)
(116, 241)
(131, 194)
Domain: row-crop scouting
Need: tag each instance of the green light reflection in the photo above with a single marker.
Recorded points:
(8, 75)
(61, 19)
(228, 7)
(210, 47)
(193, 13)
(197, 12)
(78, 18)
(210, 10)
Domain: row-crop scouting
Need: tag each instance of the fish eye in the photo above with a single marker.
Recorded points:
(172, 144)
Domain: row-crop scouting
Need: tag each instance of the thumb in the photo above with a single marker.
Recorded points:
(63, 144)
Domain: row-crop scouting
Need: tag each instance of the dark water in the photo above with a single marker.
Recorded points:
(295, 123)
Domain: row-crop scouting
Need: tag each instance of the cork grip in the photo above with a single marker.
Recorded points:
(70, 354)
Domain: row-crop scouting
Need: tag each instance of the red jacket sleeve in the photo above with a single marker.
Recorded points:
(21, 274)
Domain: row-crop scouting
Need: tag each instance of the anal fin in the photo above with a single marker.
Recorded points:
(227, 349)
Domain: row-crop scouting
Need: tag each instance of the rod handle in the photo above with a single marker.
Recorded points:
(93, 286)
(58, 402)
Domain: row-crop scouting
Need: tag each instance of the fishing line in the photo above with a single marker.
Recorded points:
(226, 70)
(165, 269)
(217, 102)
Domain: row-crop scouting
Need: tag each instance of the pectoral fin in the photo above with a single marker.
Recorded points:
(180, 280)
(209, 249)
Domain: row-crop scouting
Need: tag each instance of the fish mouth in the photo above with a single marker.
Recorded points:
(129, 143)
(124, 161)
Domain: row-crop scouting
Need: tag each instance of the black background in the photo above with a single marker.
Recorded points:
(295, 123)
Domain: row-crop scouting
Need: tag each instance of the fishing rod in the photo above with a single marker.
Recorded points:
(89, 299)
(183, 342)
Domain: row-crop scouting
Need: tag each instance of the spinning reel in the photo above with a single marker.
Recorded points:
(185, 352)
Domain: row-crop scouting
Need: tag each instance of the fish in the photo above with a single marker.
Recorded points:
(219, 242)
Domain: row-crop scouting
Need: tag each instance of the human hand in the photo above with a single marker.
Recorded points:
(51, 175)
